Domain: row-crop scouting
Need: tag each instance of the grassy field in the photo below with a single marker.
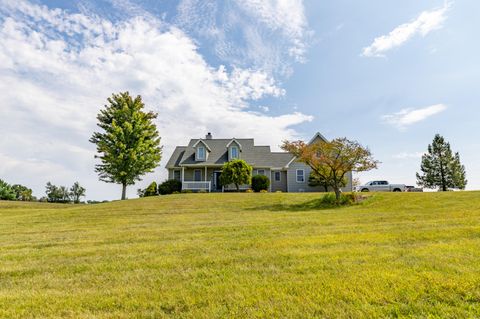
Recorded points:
(243, 256)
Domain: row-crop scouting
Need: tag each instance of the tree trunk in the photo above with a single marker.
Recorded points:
(238, 188)
(338, 192)
(442, 173)
(124, 191)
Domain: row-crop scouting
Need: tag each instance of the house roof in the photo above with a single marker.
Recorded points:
(316, 137)
(203, 142)
(174, 160)
(234, 140)
(257, 156)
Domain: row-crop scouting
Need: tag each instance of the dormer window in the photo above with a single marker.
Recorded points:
(200, 153)
(233, 152)
(201, 150)
(233, 149)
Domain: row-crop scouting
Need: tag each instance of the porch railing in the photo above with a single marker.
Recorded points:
(196, 186)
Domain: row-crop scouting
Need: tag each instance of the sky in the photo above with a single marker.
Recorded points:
(389, 74)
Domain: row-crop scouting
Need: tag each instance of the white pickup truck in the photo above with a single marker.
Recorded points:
(381, 186)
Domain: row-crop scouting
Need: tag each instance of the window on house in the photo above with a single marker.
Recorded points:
(176, 175)
(260, 172)
(201, 153)
(197, 175)
(233, 152)
(277, 176)
(300, 176)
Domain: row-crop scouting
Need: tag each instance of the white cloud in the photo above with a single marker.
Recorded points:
(267, 35)
(407, 117)
(426, 22)
(57, 69)
(288, 16)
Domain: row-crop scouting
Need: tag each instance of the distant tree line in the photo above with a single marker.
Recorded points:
(15, 192)
(63, 194)
(54, 194)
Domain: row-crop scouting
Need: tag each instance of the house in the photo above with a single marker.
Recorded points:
(198, 165)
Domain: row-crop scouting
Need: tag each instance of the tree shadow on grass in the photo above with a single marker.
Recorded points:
(314, 204)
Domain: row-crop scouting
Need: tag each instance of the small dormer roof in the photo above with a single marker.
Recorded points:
(203, 142)
(232, 141)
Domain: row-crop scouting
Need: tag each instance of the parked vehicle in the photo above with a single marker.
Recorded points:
(381, 186)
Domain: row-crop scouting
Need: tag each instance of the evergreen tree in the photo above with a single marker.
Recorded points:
(129, 145)
(236, 172)
(441, 168)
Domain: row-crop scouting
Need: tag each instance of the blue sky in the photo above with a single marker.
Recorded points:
(390, 74)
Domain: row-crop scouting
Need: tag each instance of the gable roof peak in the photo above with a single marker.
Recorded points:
(234, 140)
(317, 135)
(203, 142)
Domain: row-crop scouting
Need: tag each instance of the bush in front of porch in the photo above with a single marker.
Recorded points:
(260, 183)
(169, 187)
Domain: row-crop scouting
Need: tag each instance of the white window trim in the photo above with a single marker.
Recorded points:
(194, 175)
(303, 175)
(198, 153)
(263, 170)
(279, 176)
(231, 152)
(179, 174)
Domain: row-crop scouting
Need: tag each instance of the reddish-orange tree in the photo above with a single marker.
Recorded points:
(331, 161)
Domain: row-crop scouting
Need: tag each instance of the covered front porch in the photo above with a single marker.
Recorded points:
(205, 179)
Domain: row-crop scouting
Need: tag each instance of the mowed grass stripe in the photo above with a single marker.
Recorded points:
(243, 256)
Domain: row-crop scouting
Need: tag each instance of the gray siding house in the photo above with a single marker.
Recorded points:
(199, 165)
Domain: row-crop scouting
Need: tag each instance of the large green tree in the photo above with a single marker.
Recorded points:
(236, 172)
(129, 145)
(331, 161)
(441, 168)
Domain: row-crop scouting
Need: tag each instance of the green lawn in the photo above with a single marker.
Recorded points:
(243, 256)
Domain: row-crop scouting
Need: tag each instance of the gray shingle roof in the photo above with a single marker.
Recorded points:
(174, 160)
(257, 156)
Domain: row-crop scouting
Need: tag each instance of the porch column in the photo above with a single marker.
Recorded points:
(270, 181)
(183, 174)
(206, 171)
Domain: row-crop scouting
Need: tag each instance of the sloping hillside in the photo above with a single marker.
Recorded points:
(244, 256)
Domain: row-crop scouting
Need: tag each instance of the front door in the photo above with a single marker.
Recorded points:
(216, 178)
